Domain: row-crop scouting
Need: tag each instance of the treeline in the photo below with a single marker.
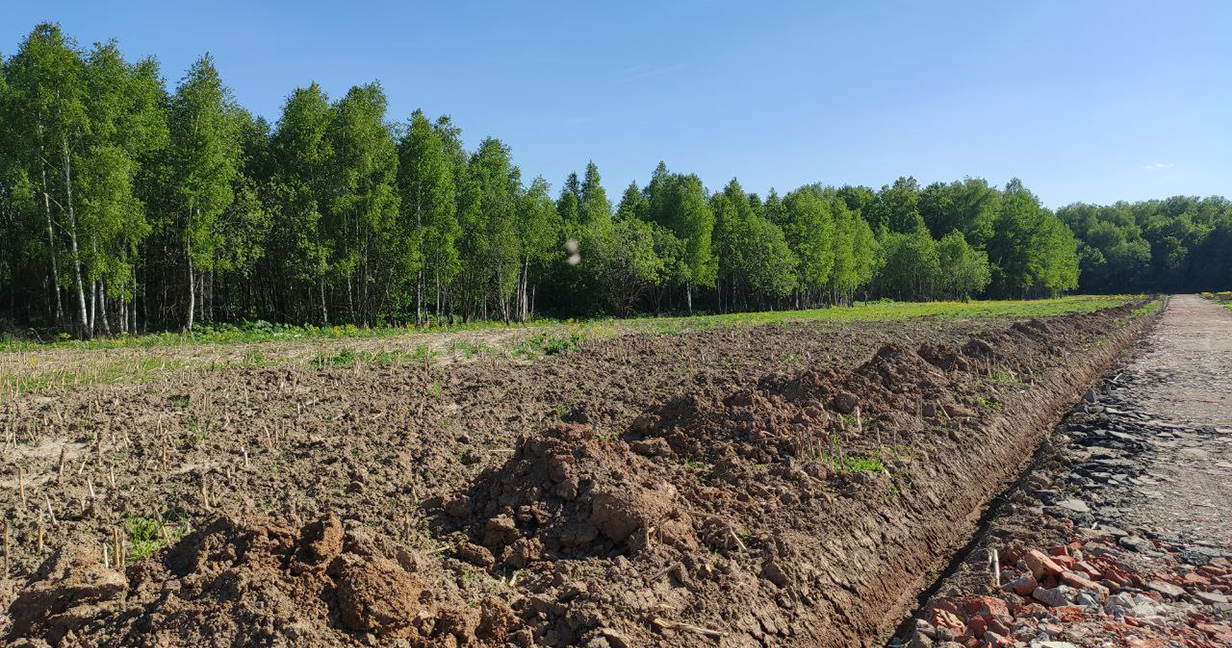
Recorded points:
(126, 207)
(1182, 244)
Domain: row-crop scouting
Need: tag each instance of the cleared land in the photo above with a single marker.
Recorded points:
(27, 366)
(781, 479)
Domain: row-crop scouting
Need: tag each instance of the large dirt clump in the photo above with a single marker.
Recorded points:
(245, 583)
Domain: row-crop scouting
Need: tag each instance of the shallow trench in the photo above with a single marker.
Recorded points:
(1064, 393)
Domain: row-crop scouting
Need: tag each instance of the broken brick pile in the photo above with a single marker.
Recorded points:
(1089, 587)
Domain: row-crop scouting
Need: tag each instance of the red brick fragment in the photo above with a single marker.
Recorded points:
(1090, 570)
(1041, 565)
(1079, 582)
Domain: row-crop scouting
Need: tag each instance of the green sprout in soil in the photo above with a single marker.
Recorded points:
(989, 402)
(550, 343)
(343, 358)
(146, 536)
(697, 468)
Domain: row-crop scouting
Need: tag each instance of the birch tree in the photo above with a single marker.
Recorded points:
(202, 156)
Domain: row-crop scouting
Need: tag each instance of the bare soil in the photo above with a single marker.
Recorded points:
(775, 486)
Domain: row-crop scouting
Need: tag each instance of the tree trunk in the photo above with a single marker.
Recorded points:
(72, 236)
(93, 306)
(324, 310)
(192, 293)
(419, 309)
(102, 308)
(351, 298)
(51, 246)
(525, 284)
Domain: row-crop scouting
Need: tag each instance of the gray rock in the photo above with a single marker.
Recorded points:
(920, 640)
(1075, 505)
(1167, 589)
(1055, 596)
(1085, 599)
(1211, 598)
(1135, 605)
(1141, 545)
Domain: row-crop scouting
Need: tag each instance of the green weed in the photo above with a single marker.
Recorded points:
(146, 537)
(550, 343)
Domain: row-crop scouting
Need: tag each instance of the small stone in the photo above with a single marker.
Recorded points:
(1041, 565)
(1080, 583)
(1136, 543)
(957, 411)
(1167, 589)
(1075, 505)
(1022, 586)
(993, 639)
(1054, 596)
(615, 638)
(656, 447)
(499, 531)
(773, 573)
(1211, 598)
(920, 640)
(1085, 599)
(475, 555)
(926, 628)
(845, 402)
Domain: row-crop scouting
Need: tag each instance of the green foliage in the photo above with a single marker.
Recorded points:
(964, 269)
(124, 208)
(1181, 244)
(1032, 253)
(551, 343)
(910, 266)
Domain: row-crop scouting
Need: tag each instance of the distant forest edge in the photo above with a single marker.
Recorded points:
(125, 207)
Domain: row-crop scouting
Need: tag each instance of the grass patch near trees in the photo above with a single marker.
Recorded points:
(68, 364)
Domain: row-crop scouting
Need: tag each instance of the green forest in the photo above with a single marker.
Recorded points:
(127, 205)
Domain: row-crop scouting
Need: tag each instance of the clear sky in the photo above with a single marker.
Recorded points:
(1083, 100)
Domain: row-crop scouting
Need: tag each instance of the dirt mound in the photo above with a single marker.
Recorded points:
(571, 493)
(243, 583)
(800, 510)
(805, 415)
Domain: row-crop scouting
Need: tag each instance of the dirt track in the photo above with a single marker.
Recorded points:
(783, 486)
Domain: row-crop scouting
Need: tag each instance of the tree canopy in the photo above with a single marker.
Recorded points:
(126, 206)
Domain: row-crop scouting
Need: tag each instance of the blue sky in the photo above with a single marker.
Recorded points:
(1092, 101)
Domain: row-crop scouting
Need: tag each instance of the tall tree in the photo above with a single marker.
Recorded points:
(203, 155)
(538, 230)
(809, 229)
(304, 155)
(363, 212)
(426, 186)
(897, 208)
(47, 80)
(490, 242)
(964, 269)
